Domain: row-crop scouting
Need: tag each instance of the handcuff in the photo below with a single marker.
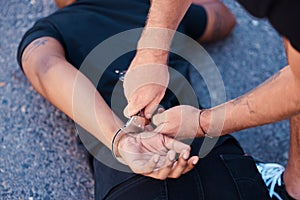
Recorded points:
(134, 125)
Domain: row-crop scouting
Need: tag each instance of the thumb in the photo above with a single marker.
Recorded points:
(132, 109)
(159, 119)
(148, 128)
(150, 109)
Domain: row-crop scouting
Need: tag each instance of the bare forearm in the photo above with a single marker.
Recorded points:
(294, 158)
(292, 175)
(63, 3)
(163, 19)
(70, 91)
(167, 13)
(276, 99)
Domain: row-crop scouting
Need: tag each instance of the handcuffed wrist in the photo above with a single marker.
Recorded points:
(135, 124)
(115, 143)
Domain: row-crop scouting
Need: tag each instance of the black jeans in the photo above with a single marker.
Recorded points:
(225, 173)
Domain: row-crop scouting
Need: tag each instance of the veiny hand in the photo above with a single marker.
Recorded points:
(180, 122)
(145, 82)
(154, 155)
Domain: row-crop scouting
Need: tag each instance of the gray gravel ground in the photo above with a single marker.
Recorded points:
(40, 157)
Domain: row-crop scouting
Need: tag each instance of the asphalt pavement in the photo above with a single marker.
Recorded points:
(40, 157)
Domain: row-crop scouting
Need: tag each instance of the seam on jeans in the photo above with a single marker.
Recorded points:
(166, 195)
(199, 186)
(234, 181)
(162, 195)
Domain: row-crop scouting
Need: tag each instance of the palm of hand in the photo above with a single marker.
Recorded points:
(146, 151)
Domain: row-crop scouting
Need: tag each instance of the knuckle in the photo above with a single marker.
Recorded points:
(162, 177)
(182, 165)
(188, 148)
(138, 170)
(189, 168)
(176, 176)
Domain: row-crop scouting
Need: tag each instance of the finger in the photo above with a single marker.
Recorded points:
(177, 146)
(151, 108)
(134, 107)
(128, 111)
(139, 102)
(159, 119)
(160, 110)
(145, 167)
(178, 168)
(149, 128)
(191, 164)
(164, 171)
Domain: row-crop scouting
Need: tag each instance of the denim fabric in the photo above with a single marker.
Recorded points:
(225, 173)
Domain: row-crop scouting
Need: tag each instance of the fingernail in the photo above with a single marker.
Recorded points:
(125, 112)
(172, 155)
(148, 116)
(156, 158)
(195, 161)
(186, 155)
(175, 164)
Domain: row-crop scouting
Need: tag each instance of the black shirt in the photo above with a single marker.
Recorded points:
(83, 25)
(284, 15)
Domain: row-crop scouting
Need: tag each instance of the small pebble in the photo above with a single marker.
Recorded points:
(255, 22)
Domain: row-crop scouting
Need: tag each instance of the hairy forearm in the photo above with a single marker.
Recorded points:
(163, 19)
(276, 99)
(167, 13)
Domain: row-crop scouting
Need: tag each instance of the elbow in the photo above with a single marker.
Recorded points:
(38, 68)
(37, 72)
